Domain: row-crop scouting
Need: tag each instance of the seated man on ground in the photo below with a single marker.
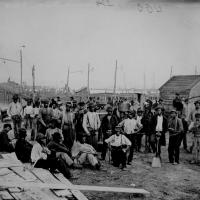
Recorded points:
(42, 157)
(56, 145)
(119, 145)
(6, 143)
(23, 147)
(84, 154)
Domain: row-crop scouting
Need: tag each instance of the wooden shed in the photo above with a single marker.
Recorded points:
(188, 86)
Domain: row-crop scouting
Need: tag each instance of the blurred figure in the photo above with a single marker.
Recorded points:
(15, 111)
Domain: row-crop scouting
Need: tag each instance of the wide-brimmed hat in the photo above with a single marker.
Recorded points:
(22, 133)
(15, 96)
(40, 136)
(173, 111)
(197, 101)
(159, 107)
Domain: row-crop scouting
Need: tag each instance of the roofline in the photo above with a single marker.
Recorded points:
(182, 76)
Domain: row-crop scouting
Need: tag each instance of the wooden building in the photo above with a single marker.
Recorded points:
(188, 86)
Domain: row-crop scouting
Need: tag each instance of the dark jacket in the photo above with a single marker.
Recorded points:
(23, 150)
(5, 144)
(178, 104)
(164, 128)
(57, 147)
(109, 125)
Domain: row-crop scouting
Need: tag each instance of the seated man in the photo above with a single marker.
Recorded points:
(42, 157)
(85, 154)
(6, 144)
(119, 147)
(23, 147)
(57, 146)
(51, 130)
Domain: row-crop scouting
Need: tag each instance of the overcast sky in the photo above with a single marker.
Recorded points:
(143, 37)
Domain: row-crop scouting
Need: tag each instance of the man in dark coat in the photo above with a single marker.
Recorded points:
(5, 142)
(159, 127)
(109, 122)
(23, 147)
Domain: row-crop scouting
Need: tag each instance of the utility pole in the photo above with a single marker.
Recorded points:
(33, 76)
(196, 72)
(171, 72)
(115, 78)
(144, 83)
(21, 70)
(88, 79)
(67, 85)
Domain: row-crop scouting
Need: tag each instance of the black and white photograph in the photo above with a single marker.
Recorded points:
(99, 99)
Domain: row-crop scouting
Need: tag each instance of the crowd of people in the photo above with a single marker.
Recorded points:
(66, 135)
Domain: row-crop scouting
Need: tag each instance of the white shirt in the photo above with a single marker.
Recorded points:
(116, 141)
(91, 119)
(28, 110)
(159, 123)
(37, 153)
(129, 125)
(139, 118)
(15, 109)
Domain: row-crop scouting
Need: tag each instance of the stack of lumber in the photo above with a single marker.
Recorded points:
(13, 174)
(23, 182)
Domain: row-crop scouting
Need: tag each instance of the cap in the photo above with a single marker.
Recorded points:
(197, 115)
(22, 132)
(40, 136)
(198, 101)
(173, 111)
(82, 103)
(159, 107)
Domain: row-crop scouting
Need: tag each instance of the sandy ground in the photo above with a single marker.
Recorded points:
(180, 182)
(170, 182)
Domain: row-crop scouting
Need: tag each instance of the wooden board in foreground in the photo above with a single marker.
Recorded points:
(74, 187)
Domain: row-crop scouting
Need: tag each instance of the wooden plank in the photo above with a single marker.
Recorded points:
(74, 187)
(5, 195)
(46, 177)
(76, 193)
(24, 173)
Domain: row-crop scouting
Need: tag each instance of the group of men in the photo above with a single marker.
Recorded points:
(65, 136)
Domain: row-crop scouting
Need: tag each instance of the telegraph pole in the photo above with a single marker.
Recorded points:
(21, 70)
(115, 78)
(88, 79)
(67, 86)
(33, 76)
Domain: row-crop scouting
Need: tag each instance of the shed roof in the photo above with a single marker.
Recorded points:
(181, 83)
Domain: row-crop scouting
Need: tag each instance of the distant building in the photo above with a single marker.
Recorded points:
(188, 86)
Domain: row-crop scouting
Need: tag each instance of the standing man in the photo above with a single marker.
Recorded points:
(131, 127)
(159, 126)
(68, 126)
(91, 125)
(175, 128)
(177, 103)
(109, 122)
(192, 118)
(15, 111)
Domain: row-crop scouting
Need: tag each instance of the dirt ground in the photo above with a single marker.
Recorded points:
(177, 182)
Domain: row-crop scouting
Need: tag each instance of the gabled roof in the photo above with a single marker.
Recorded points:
(181, 83)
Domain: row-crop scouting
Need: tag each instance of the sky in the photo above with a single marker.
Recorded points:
(146, 38)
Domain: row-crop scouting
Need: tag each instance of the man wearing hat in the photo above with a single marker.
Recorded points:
(107, 127)
(42, 157)
(91, 125)
(23, 147)
(159, 127)
(177, 103)
(119, 145)
(5, 142)
(79, 120)
(195, 129)
(192, 117)
(68, 126)
(15, 111)
(175, 128)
